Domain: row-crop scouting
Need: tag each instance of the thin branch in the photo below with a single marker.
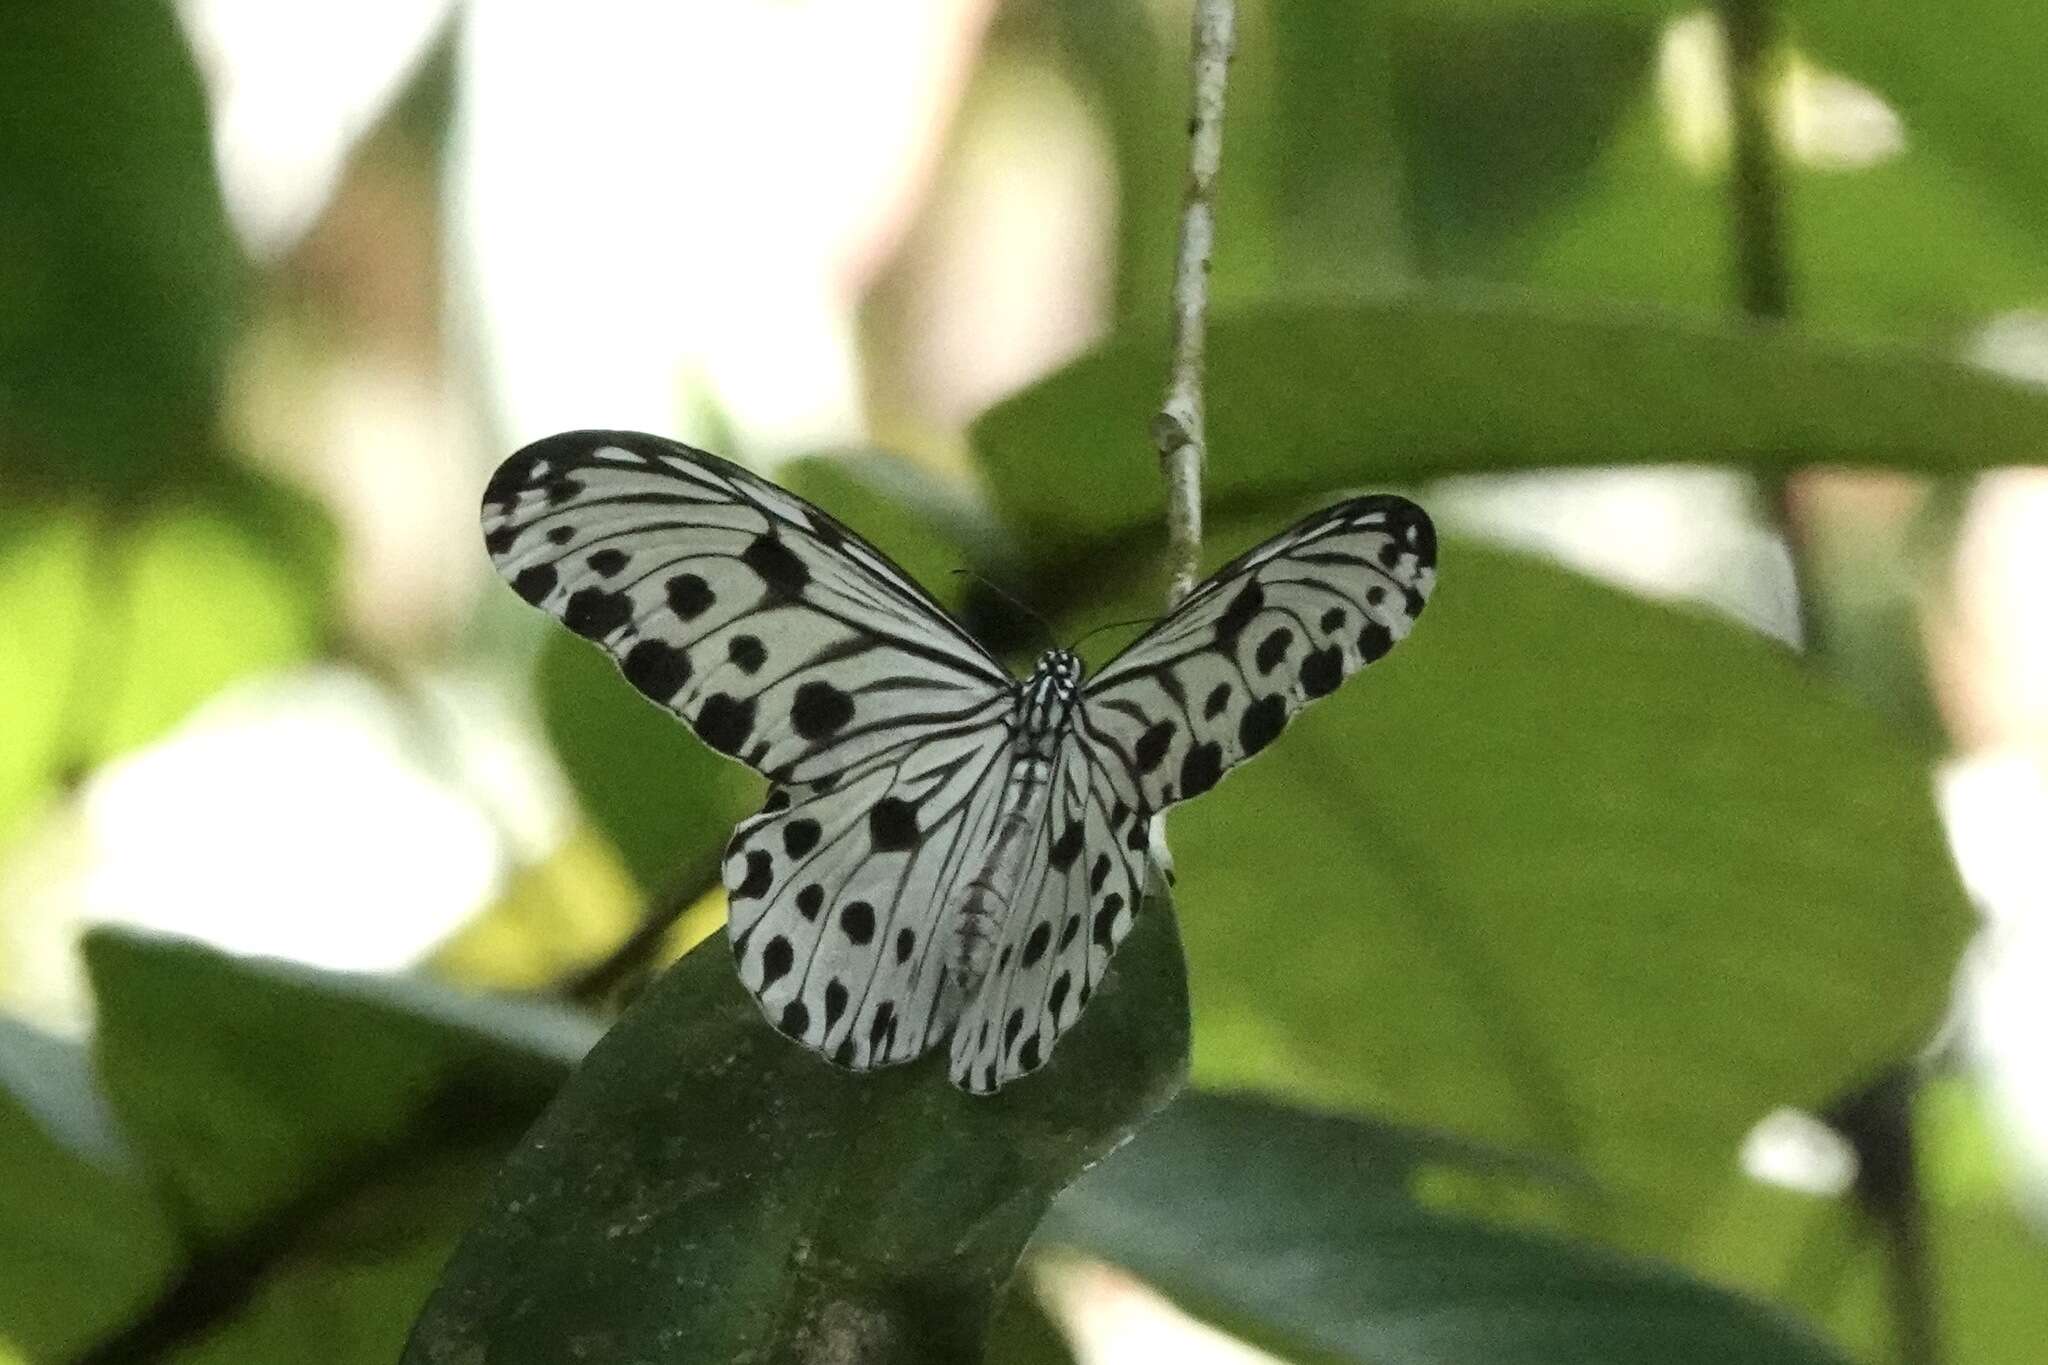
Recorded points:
(1756, 205)
(1877, 1121)
(1177, 430)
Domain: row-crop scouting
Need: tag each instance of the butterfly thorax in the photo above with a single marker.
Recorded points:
(1043, 702)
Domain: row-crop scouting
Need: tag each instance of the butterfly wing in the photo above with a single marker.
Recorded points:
(791, 644)
(783, 638)
(1077, 899)
(1218, 678)
(838, 894)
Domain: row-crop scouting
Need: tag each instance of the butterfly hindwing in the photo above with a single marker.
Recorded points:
(838, 896)
(1217, 679)
(1076, 902)
(783, 638)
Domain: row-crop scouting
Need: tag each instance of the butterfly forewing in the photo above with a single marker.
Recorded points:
(784, 639)
(1218, 679)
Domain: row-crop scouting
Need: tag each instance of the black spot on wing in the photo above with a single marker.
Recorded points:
(607, 562)
(1219, 697)
(1200, 769)
(501, 541)
(835, 1003)
(1152, 745)
(800, 837)
(1322, 671)
(594, 613)
(1035, 946)
(658, 669)
(1066, 848)
(724, 722)
(689, 596)
(1250, 600)
(882, 1028)
(1374, 640)
(1099, 873)
(760, 876)
(777, 957)
(809, 900)
(535, 583)
(906, 943)
(1333, 620)
(1104, 919)
(1060, 986)
(820, 710)
(1273, 649)
(747, 653)
(1012, 1026)
(857, 919)
(1028, 1058)
(777, 566)
(1069, 929)
(1261, 724)
(892, 825)
(561, 535)
(563, 490)
(796, 1019)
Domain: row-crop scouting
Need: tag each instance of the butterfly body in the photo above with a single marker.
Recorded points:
(948, 856)
(1045, 703)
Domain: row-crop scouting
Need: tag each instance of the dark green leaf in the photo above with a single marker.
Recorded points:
(705, 1189)
(119, 283)
(81, 1240)
(245, 1083)
(1304, 1232)
(1307, 398)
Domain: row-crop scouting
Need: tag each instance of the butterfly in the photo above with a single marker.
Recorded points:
(947, 855)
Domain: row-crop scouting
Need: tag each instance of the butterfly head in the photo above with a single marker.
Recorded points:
(1045, 698)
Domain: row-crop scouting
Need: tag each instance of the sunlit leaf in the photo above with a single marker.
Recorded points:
(1307, 398)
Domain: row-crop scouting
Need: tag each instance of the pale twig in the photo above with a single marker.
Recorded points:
(1177, 429)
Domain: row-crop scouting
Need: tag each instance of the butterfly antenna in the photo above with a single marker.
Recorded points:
(1094, 631)
(1051, 640)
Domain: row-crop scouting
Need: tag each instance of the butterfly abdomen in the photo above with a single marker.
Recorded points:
(986, 906)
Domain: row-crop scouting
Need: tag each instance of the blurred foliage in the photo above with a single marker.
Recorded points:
(1493, 963)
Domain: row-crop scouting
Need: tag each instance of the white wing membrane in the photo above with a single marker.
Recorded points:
(783, 638)
(1218, 679)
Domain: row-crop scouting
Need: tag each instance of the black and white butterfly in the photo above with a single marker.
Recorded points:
(946, 853)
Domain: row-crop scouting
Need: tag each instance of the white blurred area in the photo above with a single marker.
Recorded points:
(667, 217)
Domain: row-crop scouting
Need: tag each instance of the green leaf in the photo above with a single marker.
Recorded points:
(1306, 398)
(1562, 847)
(1909, 246)
(1304, 1232)
(705, 1189)
(1504, 118)
(81, 1239)
(119, 625)
(1964, 75)
(668, 802)
(119, 281)
(244, 1083)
